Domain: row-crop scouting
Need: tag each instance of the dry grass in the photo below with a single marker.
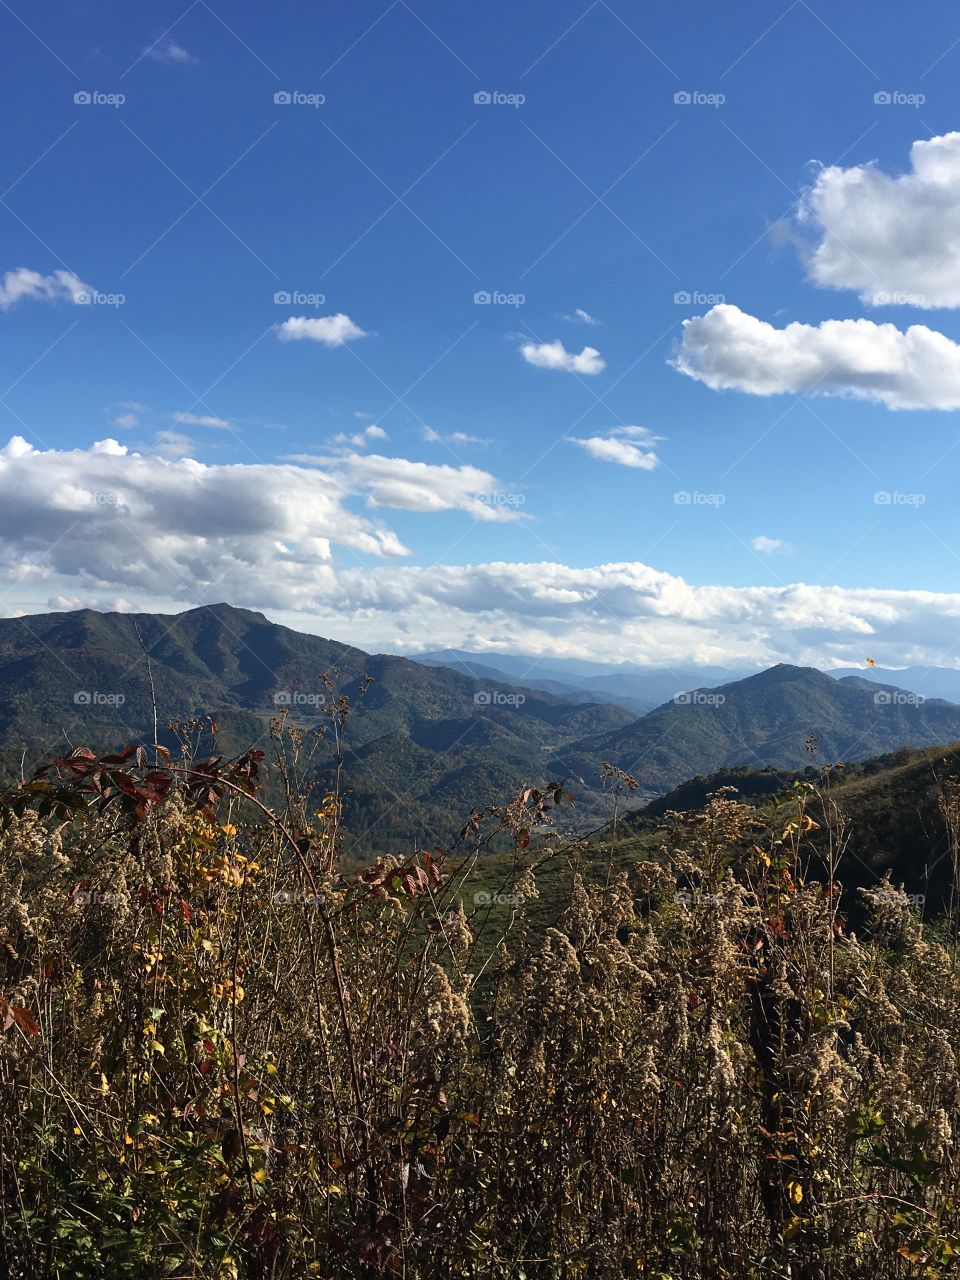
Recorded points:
(225, 1058)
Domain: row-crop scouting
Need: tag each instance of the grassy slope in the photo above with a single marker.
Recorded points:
(891, 803)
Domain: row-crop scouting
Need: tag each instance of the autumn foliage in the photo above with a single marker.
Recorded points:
(225, 1054)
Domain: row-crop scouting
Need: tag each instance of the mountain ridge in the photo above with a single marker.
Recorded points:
(424, 742)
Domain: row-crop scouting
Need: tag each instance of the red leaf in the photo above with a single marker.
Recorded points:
(12, 1013)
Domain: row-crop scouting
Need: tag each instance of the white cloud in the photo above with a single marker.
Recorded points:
(554, 355)
(127, 414)
(764, 544)
(624, 611)
(891, 238)
(580, 316)
(419, 486)
(454, 437)
(331, 331)
(170, 52)
(200, 420)
(913, 369)
(59, 286)
(173, 444)
(627, 446)
(185, 526)
(266, 536)
(360, 439)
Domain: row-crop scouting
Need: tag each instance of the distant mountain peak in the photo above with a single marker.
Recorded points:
(222, 611)
(785, 673)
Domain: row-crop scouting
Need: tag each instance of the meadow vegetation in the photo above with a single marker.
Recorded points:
(225, 1052)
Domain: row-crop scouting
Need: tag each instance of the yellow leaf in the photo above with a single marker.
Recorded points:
(795, 1191)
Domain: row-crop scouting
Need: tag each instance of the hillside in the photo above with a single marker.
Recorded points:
(424, 743)
(930, 682)
(891, 808)
(785, 718)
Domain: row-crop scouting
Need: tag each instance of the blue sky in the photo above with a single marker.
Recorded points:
(586, 187)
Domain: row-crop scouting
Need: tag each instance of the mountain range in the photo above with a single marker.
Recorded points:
(641, 689)
(426, 740)
(785, 717)
(422, 742)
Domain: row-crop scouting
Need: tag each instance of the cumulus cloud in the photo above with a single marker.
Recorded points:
(894, 239)
(106, 518)
(59, 286)
(626, 611)
(554, 355)
(360, 439)
(420, 486)
(331, 331)
(916, 368)
(627, 446)
(764, 544)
